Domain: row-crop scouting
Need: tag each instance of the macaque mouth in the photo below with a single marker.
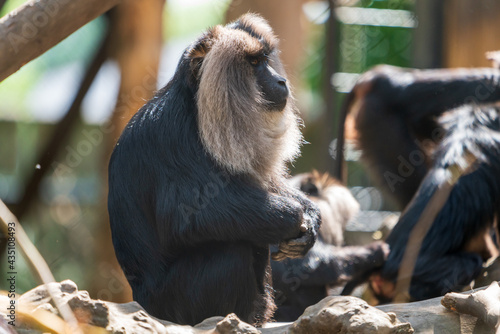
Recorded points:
(276, 106)
(276, 98)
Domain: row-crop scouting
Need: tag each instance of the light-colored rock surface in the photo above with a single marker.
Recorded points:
(37, 314)
(431, 317)
(347, 315)
(483, 304)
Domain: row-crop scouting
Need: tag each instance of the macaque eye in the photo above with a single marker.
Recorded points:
(258, 59)
(254, 61)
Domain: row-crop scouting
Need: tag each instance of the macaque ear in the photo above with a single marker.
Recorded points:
(199, 49)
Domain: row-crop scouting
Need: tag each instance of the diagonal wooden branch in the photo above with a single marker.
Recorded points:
(38, 25)
(423, 226)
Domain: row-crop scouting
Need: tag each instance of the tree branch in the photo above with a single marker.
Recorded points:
(38, 25)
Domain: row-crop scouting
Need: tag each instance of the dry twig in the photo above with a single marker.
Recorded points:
(35, 261)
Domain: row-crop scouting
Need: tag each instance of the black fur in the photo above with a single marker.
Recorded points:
(300, 283)
(442, 266)
(412, 126)
(398, 120)
(192, 239)
(273, 84)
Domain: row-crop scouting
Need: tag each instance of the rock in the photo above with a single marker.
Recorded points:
(331, 315)
(491, 273)
(347, 315)
(483, 304)
(114, 318)
(430, 316)
(233, 325)
(427, 316)
(86, 310)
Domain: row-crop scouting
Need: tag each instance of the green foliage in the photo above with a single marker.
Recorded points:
(10, 6)
(388, 4)
(360, 48)
(191, 17)
(363, 47)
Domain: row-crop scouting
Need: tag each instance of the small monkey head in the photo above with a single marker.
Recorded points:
(336, 203)
(246, 117)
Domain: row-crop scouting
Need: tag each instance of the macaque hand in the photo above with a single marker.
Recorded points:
(299, 246)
